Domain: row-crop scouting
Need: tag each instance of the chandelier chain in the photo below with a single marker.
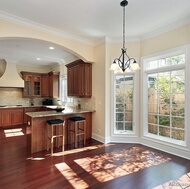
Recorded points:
(124, 27)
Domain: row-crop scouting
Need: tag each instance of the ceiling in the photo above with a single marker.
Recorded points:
(89, 21)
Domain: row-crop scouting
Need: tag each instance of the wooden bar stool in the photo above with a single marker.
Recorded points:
(77, 127)
(55, 130)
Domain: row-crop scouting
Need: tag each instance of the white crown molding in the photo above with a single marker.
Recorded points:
(44, 28)
(165, 29)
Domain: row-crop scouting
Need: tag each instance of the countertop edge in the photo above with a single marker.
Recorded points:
(54, 113)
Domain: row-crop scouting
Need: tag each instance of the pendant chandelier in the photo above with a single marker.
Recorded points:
(124, 62)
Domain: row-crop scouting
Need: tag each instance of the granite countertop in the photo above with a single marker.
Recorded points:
(20, 106)
(54, 113)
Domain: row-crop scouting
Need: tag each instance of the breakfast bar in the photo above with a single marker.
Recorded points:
(37, 122)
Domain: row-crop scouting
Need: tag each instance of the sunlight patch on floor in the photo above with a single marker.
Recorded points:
(71, 176)
(13, 132)
(115, 164)
(78, 150)
(35, 158)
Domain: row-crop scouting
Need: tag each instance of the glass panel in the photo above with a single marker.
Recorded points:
(178, 98)
(164, 109)
(178, 110)
(178, 122)
(152, 98)
(119, 125)
(152, 118)
(129, 116)
(178, 134)
(152, 129)
(120, 108)
(164, 120)
(128, 126)
(168, 61)
(163, 131)
(153, 108)
(119, 116)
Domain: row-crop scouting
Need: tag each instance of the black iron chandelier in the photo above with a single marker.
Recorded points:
(124, 62)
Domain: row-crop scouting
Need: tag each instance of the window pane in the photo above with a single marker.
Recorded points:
(153, 129)
(178, 122)
(128, 126)
(119, 116)
(163, 131)
(178, 134)
(164, 109)
(153, 108)
(164, 120)
(178, 110)
(152, 118)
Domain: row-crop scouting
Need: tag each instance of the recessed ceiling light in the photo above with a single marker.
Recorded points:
(38, 58)
(51, 48)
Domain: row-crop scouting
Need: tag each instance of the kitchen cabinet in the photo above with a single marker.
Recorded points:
(41, 84)
(11, 116)
(79, 78)
(54, 84)
(32, 84)
(45, 85)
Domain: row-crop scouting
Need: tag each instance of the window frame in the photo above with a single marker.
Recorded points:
(135, 131)
(144, 108)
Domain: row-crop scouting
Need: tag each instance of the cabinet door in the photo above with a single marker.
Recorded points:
(54, 84)
(70, 82)
(76, 81)
(17, 116)
(27, 85)
(5, 117)
(45, 85)
(81, 80)
(88, 80)
(36, 86)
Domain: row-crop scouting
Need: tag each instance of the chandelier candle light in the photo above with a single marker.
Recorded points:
(124, 61)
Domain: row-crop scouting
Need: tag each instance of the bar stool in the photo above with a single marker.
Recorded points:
(55, 130)
(77, 127)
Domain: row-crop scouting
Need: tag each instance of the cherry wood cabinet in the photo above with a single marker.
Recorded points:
(45, 85)
(11, 116)
(32, 84)
(54, 84)
(79, 79)
(41, 84)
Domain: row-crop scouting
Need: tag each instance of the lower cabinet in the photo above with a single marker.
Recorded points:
(11, 116)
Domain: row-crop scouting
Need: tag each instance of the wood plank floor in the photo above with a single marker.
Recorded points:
(111, 166)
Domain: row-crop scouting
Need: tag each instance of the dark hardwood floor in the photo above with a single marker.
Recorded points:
(111, 166)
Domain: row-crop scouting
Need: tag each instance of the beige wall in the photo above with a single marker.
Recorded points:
(83, 51)
(168, 40)
(98, 90)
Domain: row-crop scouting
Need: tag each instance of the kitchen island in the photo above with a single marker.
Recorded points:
(37, 122)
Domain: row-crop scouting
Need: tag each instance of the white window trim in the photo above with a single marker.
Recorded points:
(135, 131)
(144, 131)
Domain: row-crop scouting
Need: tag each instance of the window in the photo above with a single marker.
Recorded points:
(165, 81)
(123, 103)
(63, 91)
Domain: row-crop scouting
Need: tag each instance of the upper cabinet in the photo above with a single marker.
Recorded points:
(32, 84)
(41, 84)
(79, 78)
(54, 84)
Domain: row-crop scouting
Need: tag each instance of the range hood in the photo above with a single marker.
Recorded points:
(11, 78)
